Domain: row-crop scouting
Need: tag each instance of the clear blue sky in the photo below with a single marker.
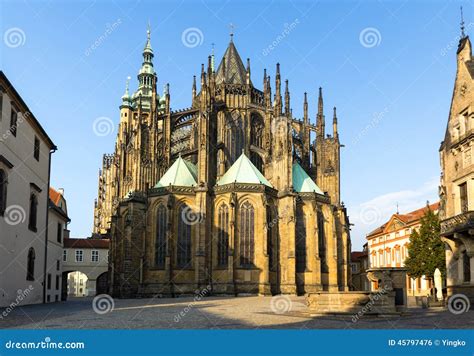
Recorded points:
(392, 95)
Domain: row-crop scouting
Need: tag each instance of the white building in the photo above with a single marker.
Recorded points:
(57, 232)
(25, 156)
(90, 257)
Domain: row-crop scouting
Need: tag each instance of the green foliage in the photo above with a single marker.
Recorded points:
(426, 251)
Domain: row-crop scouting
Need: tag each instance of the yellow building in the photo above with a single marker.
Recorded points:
(388, 246)
(232, 194)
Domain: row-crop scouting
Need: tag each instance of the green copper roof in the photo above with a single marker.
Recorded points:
(243, 171)
(302, 183)
(181, 172)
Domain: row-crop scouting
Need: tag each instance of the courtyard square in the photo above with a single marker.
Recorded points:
(251, 312)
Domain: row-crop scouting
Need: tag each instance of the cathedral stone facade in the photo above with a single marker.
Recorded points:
(232, 194)
(457, 178)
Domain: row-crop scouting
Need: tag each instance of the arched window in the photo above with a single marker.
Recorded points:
(466, 267)
(322, 242)
(256, 131)
(234, 138)
(247, 229)
(184, 237)
(30, 265)
(160, 238)
(3, 191)
(257, 161)
(300, 239)
(33, 212)
(222, 235)
(272, 248)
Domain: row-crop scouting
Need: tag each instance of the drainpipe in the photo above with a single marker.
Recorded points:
(54, 149)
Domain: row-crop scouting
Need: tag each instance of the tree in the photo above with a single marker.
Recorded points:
(426, 251)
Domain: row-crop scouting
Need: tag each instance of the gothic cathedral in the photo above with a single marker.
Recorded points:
(231, 194)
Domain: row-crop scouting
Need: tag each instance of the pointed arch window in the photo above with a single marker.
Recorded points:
(300, 239)
(30, 265)
(322, 242)
(184, 237)
(160, 238)
(32, 220)
(223, 235)
(234, 138)
(247, 230)
(256, 131)
(3, 191)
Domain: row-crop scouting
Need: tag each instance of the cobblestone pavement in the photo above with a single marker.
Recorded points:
(213, 313)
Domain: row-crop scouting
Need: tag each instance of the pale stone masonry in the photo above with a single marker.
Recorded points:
(233, 192)
(457, 177)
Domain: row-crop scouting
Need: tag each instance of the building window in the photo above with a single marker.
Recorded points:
(222, 235)
(247, 218)
(60, 232)
(466, 263)
(13, 121)
(30, 265)
(64, 256)
(463, 197)
(160, 239)
(272, 222)
(33, 212)
(3, 191)
(354, 267)
(36, 151)
(94, 256)
(57, 282)
(397, 255)
(322, 241)
(300, 240)
(184, 238)
(49, 280)
(79, 255)
(58, 264)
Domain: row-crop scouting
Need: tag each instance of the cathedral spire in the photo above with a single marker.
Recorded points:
(194, 87)
(287, 98)
(463, 34)
(320, 117)
(334, 123)
(305, 109)
(278, 90)
(248, 70)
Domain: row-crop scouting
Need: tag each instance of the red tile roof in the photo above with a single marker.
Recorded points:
(54, 195)
(357, 254)
(86, 243)
(409, 218)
